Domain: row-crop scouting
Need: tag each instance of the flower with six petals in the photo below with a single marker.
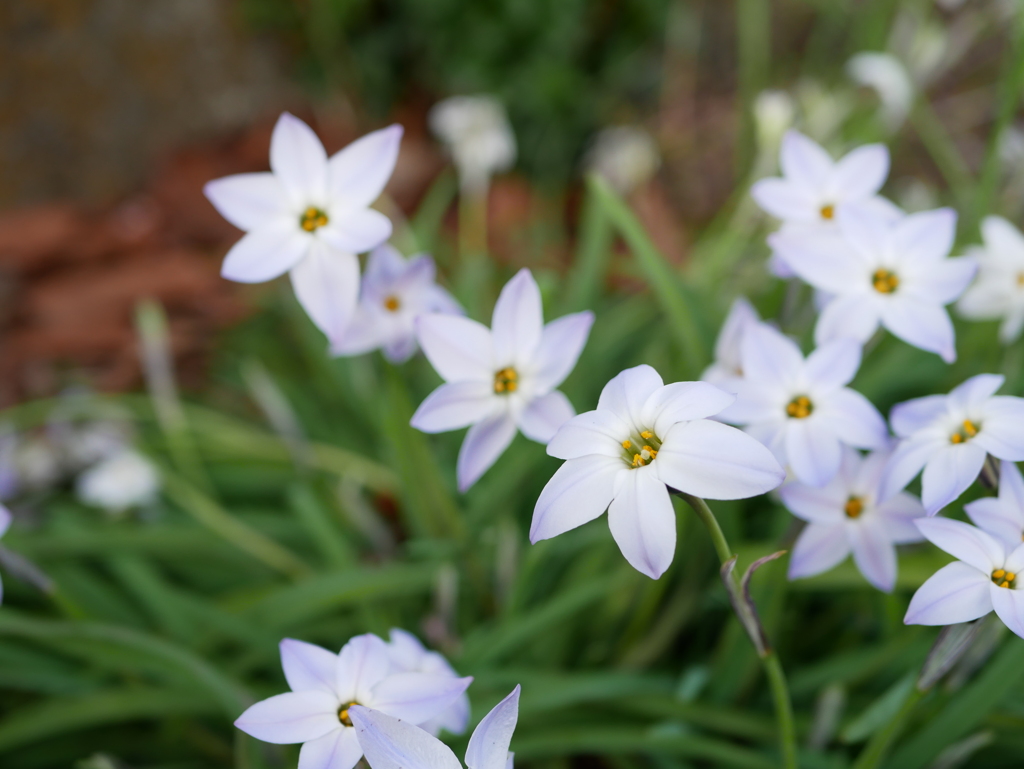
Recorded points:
(408, 655)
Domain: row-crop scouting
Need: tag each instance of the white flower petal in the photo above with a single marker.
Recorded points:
(964, 542)
(949, 473)
(1009, 605)
(483, 444)
(336, 750)
(361, 335)
(517, 321)
(1002, 429)
(488, 747)
(458, 348)
(627, 392)
(874, 553)
(833, 364)
(1012, 326)
(853, 419)
(942, 282)
(1015, 560)
(401, 349)
(921, 324)
(899, 513)
(683, 402)
(1002, 237)
(326, 283)
(561, 342)
(995, 517)
(362, 663)
(454, 406)
(592, 432)
(812, 451)
(910, 416)
(785, 200)
(822, 505)
(715, 461)
(540, 420)
(358, 173)
(265, 253)
(307, 666)
(390, 743)
(974, 391)
(1011, 491)
(819, 547)
(906, 461)
(248, 201)
(804, 161)
(955, 593)
(384, 266)
(821, 258)
(356, 230)
(727, 346)
(577, 493)
(769, 358)
(926, 236)
(291, 717)
(861, 172)
(416, 697)
(643, 523)
(5, 519)
(298, 159)
(853, 316)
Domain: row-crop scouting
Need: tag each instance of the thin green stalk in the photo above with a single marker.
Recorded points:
(770, 660)
(592, 255)
(880, 743)
(943, 150)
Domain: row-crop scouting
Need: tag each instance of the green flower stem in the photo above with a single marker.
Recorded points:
(769, 660)
(882, 740)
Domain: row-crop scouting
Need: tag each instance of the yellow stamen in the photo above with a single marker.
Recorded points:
(967, 431)
(854, 507)
(506, 381)
(800, 407)
(970, 428)
(998, 574)
(1003, 578)
(392, 304)
(343, 713)
(626, 444)
(313, 218)
(827, 212)
(1020, 279)
(646, 435)
(884, 281)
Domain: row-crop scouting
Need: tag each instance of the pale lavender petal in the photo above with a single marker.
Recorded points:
(926, 236)
(867, 231)
(964, 542)
(390, 743)
(298, 159)
(822, 259)
(384, 266)
(592, 432)
(715, 461)
(975, 390)
(727, 346)
(337, 750)
(861, 172)
(785, 200)
(813, 451)
(822, 505)
(361, 335)
(561, 342)
(834, 364)
(1002, 428)
(540, 420)
(517, 321)
(483, 444)
(248, 201)
(906, 462)
(1002, 237)
(291, 717)
(853, 316)
(577, 493)
(921, 324)
(949, 473)
(307, 666)
(899, 513)
(356, 230)
(358, 173)
(643, 523)
(909, 417)
(400, 349)
(5, 519)
(416, 697)
(955, 593)
(265, 253)
(326, 283)
(874, 553)
(1011, 491)
(819, 547)
(488, 747)
(853, 419)
(804, 161)
(454, 406)
(997, 518)
(770, 358)
(683, 402)
(458, 348)
(1015, 560)
(362, 663)
(627, 392)
(942, 282)
(1009, 605)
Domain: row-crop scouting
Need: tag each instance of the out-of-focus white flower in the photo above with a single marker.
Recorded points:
(1002, 516)
(5, 524)
(823, 109)
(727, 369)
(121, 481)
(644, 439)
(949, 436)
(38, 462)
(310, 216)
(392, 744)
(774, 113)
(802, 409)
(982, 579)
(625, 156)
(326, 687)
(880, 273)
(478, 135)
(408, 655)
(845, 516)
(395, 291)
(999, 290)
(887, 76)
(500, 379)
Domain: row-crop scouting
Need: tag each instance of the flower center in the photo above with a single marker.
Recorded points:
(854, 507)
(800, 407)
(1020, 280)
(392, 303)
(884, 281)
(640, 450)
(967, 431)
(506, 381)
(313, 218)
(1003, 578)
(343, 713)
(828, 211)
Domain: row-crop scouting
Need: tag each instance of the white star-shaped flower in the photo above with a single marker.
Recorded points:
(309, 216)
(845, 516)
(122, 480)
(881, 273)
(395, 291)
(999, 290)
(727, 369)
(644, 439)
(390, 743)
(1002, 516)
(802, 409)
(326, 686)
(949, 436)
(408, 655)
(982, 579)
(501, 379)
